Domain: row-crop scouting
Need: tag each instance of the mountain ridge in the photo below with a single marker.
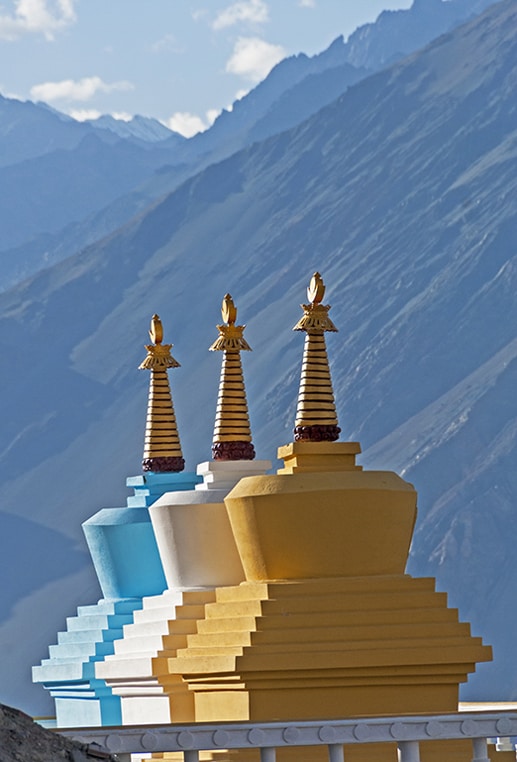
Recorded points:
(295, 89)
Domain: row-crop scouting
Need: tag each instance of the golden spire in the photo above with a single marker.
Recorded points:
(232, 434)
(316, 419)
(162, 448)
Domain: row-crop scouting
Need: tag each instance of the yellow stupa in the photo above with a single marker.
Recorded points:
(162, 448)
(327, 624)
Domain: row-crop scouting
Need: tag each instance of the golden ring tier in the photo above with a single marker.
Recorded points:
(232, 432)
(162, 447)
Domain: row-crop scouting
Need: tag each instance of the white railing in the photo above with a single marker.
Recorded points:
(406, 732)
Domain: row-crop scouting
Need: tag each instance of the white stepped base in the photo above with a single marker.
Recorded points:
(163, 623)
(152, 711)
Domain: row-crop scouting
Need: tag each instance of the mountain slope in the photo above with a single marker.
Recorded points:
(395, 34)
(401, 194)
(392, 36)
(295, 89)
(29, 129)
(49, 192)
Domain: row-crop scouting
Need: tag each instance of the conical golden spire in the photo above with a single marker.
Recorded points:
(232, 433)
(162, 448)
(316, 419)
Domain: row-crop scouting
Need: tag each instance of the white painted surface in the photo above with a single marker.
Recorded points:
(154, 709)
(195, 541)
(223, 474)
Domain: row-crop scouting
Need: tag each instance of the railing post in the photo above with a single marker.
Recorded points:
(336, 753)
(409, 751)
(268, 754)
(191, 755)
(479, 746)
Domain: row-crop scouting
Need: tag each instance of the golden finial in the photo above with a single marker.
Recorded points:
(156, 330)
(232, 433)
(316, 289)
(315, 317)
(158, 354)
(230, 336)
(162, 448)
(228, 310)
(316, 418)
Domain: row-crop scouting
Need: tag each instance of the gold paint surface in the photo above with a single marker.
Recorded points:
(232, 418)
(161, 437)
(316, 405)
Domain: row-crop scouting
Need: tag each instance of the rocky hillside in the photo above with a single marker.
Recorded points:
(23, 740)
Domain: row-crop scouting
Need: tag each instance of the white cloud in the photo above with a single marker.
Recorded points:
(200, 14)
(185, 123)
(44, 17)
(121, 116)
(82, 114)
(212, 114)
(241, 93)
(248, 11)
(238, 95)
(75, 90)
(254, 58)
(307, 3)
(167, 43)
(188, 124)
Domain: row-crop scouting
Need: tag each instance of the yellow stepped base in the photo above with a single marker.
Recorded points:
(327, 648)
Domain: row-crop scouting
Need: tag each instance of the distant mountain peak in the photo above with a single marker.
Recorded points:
(143, 128)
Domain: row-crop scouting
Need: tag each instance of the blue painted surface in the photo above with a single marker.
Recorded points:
(121, 540)
(126, 559)
(124, 552)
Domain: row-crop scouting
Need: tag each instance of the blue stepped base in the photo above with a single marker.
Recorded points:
(69, 673)
(127, 563)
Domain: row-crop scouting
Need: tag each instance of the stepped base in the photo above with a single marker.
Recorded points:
(327, 648)
(81, 700)
(133, 672)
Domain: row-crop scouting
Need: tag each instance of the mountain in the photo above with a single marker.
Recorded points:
(401, 192)
(28, 130)
(395, 34)
(140, 128)
(66, 173)
(42, 231)
(50, 191)
(303, 84)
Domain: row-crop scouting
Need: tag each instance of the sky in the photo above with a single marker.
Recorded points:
(179, 61)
